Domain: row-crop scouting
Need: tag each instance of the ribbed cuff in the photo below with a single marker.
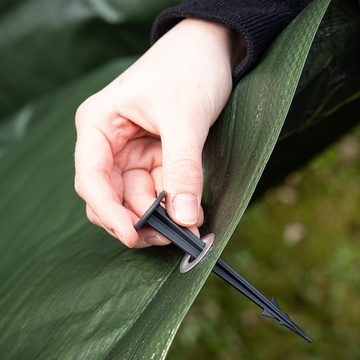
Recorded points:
(257, 22)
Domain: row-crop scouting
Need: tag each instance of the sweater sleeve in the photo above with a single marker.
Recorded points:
(257, 21)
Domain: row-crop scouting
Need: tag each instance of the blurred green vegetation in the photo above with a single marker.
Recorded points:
(301, 243)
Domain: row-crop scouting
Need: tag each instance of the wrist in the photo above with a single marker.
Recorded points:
(212, 34)
(230, 43)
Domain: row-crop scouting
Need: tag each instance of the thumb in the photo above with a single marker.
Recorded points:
(182, 174)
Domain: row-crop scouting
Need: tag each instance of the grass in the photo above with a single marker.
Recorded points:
(301, 243)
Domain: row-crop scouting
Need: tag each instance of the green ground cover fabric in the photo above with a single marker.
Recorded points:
(67, 289)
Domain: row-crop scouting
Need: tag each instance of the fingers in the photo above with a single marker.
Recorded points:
(182, 174)
(96, 221)
(93, 164)
(139, 191)
(139, 164)
(156, 174)
(157, 178)
(96, 190)
(149, 237)
(92, 216)
(201, 217)
(139, 194)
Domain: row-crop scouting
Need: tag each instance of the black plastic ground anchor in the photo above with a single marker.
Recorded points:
(143, 220)
(157, 217)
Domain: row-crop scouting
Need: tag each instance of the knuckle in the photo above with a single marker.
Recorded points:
(186, 172)
(83, 109)
(80, 113)
(78, 186)
(90, 216)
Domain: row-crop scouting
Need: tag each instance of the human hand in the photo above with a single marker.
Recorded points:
(145, 131)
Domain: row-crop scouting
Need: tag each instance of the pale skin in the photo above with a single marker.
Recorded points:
(145, 132)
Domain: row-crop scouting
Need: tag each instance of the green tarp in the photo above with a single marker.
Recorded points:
(68, 290)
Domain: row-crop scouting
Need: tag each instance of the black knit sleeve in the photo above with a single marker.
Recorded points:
(257, 21)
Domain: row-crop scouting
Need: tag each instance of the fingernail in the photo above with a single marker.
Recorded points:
(186, 208)
(155, 240)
